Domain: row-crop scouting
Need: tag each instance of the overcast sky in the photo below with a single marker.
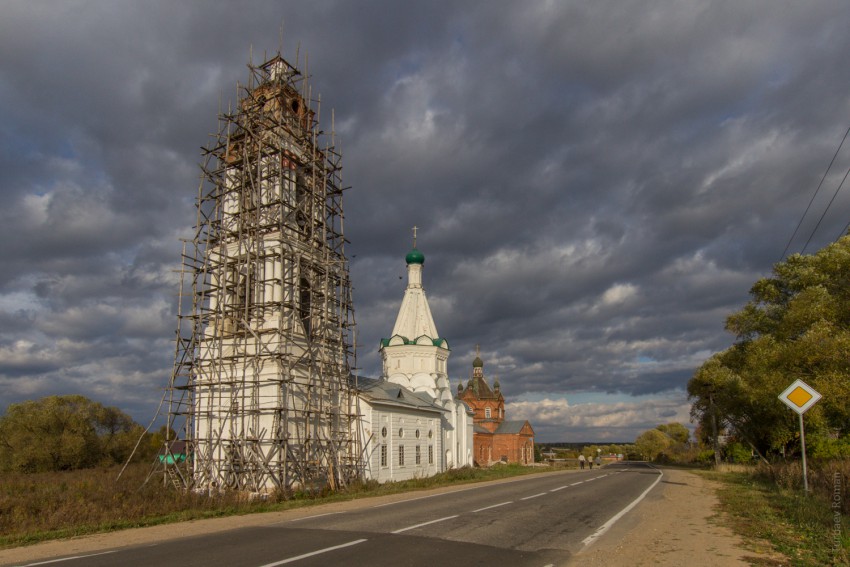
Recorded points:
(597, 184)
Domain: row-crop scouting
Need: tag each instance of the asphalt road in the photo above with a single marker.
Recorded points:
(536, 521)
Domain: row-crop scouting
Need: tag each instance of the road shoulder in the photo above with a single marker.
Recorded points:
(676, 525)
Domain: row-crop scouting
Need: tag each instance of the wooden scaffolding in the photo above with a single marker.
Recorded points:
(260, 389)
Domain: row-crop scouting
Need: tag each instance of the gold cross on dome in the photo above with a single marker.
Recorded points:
(415, 228)
(477, 350)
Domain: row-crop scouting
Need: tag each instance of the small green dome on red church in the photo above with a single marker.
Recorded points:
(478, 363)
(415, 257)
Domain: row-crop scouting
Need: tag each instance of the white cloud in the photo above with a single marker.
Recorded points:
(619, 293)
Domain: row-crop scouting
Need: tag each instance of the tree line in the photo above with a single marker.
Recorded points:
(795, 326)
(59, 433)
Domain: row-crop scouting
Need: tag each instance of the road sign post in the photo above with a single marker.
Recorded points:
(799, 396)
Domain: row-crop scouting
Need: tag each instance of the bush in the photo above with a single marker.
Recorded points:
(736, 453)
(825, 447)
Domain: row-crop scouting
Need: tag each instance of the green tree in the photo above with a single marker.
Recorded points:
(62, 433)
(796, 325)
(652, 442)
(677, 432)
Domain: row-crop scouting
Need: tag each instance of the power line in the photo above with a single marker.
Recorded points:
(834, 195)
(843, 232)
(825, 173)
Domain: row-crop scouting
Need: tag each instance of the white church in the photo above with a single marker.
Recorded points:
(260, 394)
(411, 424)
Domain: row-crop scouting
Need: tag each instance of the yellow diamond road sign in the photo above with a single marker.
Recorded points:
(799, 396)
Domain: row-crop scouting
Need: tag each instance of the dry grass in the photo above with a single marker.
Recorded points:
(41, 506)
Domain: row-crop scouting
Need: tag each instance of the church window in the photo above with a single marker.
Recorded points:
(304, 304)
(401, 432)
(430, 433)
(401, 455)
(383, 432)
(417, 434)
(430, 454)
(240, 282)
(418, 455)
(487, 413)
(384, 455)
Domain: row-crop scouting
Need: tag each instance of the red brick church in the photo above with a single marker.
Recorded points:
(494, 439)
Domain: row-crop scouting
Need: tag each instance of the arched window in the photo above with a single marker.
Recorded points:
(302, 202)
(304, 304)
(487, 413)
(241, 294)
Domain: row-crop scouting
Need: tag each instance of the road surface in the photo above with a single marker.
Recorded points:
(528, 521)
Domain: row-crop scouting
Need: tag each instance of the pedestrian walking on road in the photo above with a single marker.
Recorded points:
(590, 463)
(598, 461)
(581, 460)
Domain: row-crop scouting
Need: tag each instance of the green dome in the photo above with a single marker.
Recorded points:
(478, 363)
(415, 257)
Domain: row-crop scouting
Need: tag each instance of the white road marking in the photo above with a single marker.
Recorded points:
(607, 525)
(493, 506)
(535, 496)
(575, 483)
(312, 553)
(68, 558)
(305, 518)
(559, 488)
(424, 497)
(420, 525)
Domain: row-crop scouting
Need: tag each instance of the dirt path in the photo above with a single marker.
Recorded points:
(677, 525)
(671, 527)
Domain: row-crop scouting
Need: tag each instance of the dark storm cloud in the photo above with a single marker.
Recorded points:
(597, 186)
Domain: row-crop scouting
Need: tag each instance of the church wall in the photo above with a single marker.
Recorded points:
(515, 448)
(237, 404)
(465, 424)
(414, 359)
(387, 429)
(483, 449)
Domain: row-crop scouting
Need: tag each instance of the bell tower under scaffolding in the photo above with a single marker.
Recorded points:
(260, 387)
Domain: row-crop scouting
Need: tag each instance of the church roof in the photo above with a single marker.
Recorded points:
(414, 317)
(378, 391)
(482, 389)
(511, 427)
(476, 428)
(399, 340)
